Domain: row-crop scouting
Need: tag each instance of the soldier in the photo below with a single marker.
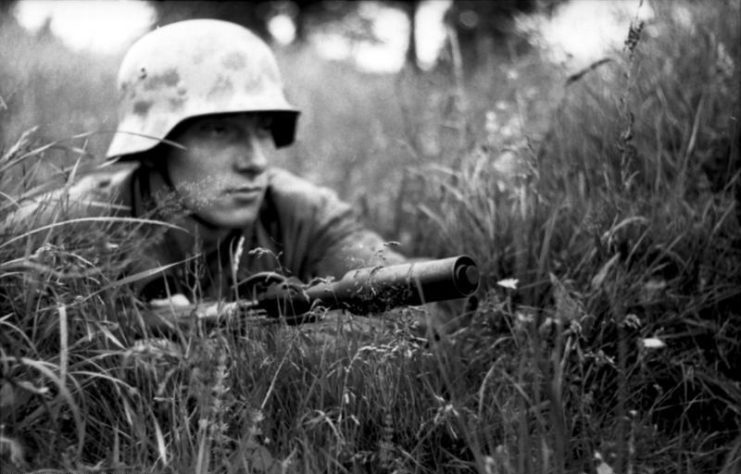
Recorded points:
(202, 111)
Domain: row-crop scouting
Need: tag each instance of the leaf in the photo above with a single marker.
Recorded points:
(7, 397)
(63, 343)
(510, 283)
(260, 458)
(13, 450)
(567, 308)
(29, 387)
(653, 343)
(604, 468)
(161, 448)
(599, 278)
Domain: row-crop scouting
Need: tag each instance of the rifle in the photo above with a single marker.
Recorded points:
(270, 297)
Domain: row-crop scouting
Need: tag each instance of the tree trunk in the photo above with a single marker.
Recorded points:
(410, 8)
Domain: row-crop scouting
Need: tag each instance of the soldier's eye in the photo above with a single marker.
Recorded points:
(265, 123)
(215, 129)
(263, 126)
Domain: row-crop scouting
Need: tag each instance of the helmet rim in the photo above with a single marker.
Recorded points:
(196, 68)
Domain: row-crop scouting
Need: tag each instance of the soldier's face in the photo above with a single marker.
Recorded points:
(220, 174)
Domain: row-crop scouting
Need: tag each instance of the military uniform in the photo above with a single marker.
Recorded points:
(303, 231)
(187, 71)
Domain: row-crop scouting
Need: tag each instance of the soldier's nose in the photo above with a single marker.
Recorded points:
(251, 160)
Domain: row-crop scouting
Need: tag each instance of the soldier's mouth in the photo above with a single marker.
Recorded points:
(244, 190)
(244, 193)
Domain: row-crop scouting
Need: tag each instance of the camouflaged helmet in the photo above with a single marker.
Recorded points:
(194, 68)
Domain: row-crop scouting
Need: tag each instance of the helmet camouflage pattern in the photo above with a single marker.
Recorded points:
(194, 68)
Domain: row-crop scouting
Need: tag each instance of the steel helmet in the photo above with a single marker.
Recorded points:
(193, 68)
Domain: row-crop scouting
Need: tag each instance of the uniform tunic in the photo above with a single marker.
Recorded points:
(303, 231)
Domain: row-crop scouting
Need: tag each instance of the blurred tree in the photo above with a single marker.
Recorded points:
(311, 14)
(410, 9)
(480, 27)
(307, 16)
(485, 29)
(318, 14)
(252, 15)
(5, 8)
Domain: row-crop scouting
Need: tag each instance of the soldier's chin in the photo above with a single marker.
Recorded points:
(236, 219)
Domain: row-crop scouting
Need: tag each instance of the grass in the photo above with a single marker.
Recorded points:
(609, 199)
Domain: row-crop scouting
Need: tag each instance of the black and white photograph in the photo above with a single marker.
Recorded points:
(372, 236)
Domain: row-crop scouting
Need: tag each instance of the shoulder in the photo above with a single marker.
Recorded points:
(289, 189)
(110, 184)
(288, 183)
(104, 191)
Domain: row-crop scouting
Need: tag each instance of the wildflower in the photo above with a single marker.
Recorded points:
(176, 300)
(652, 343)
(13, 450)
(524, 318)
(510, 283)
(602, 466)
(632, 321)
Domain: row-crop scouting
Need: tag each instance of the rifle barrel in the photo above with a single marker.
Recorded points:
(377, 289)
(362, 291)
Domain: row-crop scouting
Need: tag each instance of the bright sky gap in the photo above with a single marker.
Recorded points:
(581, 32)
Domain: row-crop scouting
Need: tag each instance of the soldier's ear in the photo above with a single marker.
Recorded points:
(144, 159)
(151, 159)
(147, 162)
